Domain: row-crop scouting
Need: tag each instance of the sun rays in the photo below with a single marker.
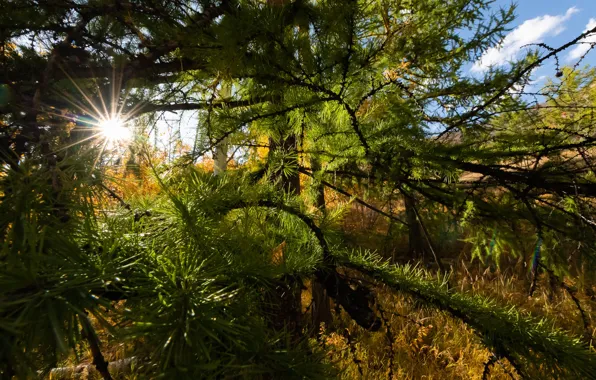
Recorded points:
(99, 115)
(115, 130)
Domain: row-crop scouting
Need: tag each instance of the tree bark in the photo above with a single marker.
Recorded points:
(220, 159)
(287, 309)
(416, 246)
(321, 307)
(220, 154)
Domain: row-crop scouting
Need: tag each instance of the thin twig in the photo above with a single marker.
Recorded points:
(427, 236)
(353, 351)
(116, 197)
(356, 199)
(390, 340)
(98, 360)
(572, 293)
(491, 361)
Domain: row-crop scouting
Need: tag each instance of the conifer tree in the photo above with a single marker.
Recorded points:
(377, 91)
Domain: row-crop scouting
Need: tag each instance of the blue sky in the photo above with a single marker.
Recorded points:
(553, 22)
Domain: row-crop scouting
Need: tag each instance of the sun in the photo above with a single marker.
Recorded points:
(114, 129)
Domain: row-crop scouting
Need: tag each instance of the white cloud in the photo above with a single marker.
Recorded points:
(530, 32)
(539, 79)
(582, 48)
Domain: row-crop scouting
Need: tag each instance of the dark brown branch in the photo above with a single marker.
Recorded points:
(356, 199)
(428, 239)
(491, 361)
(149, 107)
(98, 360)
(572, 293)
(390, 340)
(116, 197)
(532, 179)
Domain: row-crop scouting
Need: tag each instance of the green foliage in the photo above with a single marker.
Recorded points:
(192, 273)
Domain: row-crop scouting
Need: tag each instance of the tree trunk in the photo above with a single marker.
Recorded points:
(321, 307)
(291, 298)
(220, 159)
(287, 302)
(416, 246)
(220, 155)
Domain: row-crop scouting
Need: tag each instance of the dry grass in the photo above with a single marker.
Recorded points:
(428, 344)
(423, 343)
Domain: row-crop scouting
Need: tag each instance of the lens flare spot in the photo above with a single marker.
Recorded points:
(115, 129)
